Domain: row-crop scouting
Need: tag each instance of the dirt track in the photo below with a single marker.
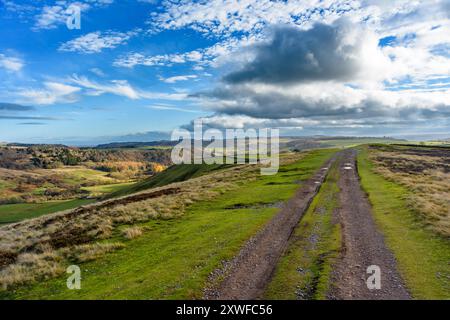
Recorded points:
(363, 245)
(247, 275)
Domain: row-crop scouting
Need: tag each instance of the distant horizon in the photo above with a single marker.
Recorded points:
(413, 138)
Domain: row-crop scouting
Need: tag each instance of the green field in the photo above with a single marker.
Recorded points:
(423, 257)
(173, 258)
(11, 213)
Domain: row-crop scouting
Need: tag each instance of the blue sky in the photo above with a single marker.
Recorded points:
(144, 67)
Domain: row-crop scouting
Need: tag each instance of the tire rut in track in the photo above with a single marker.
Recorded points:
(247, 275)
(363, 244)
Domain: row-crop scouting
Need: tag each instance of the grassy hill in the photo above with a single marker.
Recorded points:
(176, 173)
(220, 212)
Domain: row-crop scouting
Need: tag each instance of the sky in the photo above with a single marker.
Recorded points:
(137, 69)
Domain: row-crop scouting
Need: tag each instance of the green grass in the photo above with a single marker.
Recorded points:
(172, 174)
(6, 185)
(304, 271)
(107, 188)
(173, 258)
(11, 213)
(423, 257)
(79, 175)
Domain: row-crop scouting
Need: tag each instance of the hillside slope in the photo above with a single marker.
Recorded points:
(175, 173)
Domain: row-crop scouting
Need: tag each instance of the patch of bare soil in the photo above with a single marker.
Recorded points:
(246, 276)
(363, 244)
(7, 258)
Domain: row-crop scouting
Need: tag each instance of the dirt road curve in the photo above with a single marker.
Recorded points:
(363, 244)
(250, 271)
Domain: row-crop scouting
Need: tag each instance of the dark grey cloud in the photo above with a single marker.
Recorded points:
(238, 100)
(14, 107)
(294, 55)
(446, 7)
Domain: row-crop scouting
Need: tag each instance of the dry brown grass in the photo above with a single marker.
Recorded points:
(88, 252)
(132, 232)
(426, 175)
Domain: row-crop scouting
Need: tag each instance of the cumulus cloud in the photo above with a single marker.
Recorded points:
(224, 121)
(332, 76)
(337, 52)
(324, 101)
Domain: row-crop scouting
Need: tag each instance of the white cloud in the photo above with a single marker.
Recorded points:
(172, 108)
(178, 78)
(51, 17)
(122, 88)
(225, 17)
(53, 92)
(11, 64)
(98, 72)
(132, 59)
(117, 87)
(72, 89)
(95, 42)
(222, 52)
